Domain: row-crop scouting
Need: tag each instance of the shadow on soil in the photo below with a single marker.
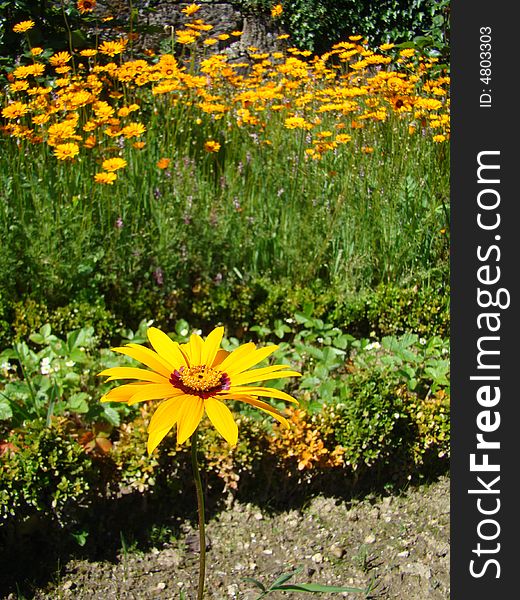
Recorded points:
(32, 553)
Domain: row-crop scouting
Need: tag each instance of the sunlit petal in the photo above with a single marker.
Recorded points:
(263, 375)
(190, 415)
(154, 391)
(267, 408)
(195, 349)
(123, 393)
(237, 354)
(133, 373)
(221, 417)
(261, 391)
(210, 346)
(252, 359)
(147, 357)
(166, 347)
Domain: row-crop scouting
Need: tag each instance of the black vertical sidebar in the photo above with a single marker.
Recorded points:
(485, 267)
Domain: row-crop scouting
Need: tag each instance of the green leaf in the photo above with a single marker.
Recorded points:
(111, 415)
(78, 403)
(256, 583)
(285, 577)
(317, 588)
(5, 410)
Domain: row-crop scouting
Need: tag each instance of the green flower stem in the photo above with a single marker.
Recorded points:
(200, 507)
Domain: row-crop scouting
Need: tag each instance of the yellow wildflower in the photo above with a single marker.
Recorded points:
(113, 164)
(211, 146)
(15, 110)
(276, 11)
(66, 151)
(105, 178)
(23, 26)
(191, 9)
(196, 378)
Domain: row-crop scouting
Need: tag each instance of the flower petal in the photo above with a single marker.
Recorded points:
(220, 356)
(132, 373)
(211, 345)
(122, 393)
(221, 417)
(166, 347)
(274, 372)
(195, 349)
(267, 408)
(237, 366)
(259, 391)
(237, 354)
(154, 391)
(190, 415)
(148, 357)
(163, 419)
(165, 412)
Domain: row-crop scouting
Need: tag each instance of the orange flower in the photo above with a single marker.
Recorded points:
(86, 6)
(163, 163)
(211, 146)
(276, 11)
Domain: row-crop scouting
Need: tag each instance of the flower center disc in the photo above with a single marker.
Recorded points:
(200, 380)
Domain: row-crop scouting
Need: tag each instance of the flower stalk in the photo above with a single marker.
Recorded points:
(200, 510)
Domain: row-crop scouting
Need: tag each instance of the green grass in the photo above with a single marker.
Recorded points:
(353, 220)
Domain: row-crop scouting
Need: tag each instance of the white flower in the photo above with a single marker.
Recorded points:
(70, 363)
(6, 366)
(372, 346)
(45, 366)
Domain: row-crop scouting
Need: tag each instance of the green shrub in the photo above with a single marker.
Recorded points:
(421, 309)
(44, 470)
(317, 24)
(371, 423)
(30, 316)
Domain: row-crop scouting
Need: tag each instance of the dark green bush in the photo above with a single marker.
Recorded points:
(372, 425)
(30, 315)
(44, 470)
(421, 309)
(317, 24)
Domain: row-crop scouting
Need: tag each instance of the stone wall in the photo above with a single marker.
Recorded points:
(258, 30)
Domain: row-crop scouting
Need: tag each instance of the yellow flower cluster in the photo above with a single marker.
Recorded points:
(87, 101)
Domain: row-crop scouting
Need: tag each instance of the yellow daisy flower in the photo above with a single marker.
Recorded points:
(15, 110)
(211, 146)
(105, 178)
(191, 9)
(23, 26)
(276, 11)
(194, 378)
(59, 59)
(66, 151)
(113, 164)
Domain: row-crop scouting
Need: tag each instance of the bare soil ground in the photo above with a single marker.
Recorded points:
(398, 544)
